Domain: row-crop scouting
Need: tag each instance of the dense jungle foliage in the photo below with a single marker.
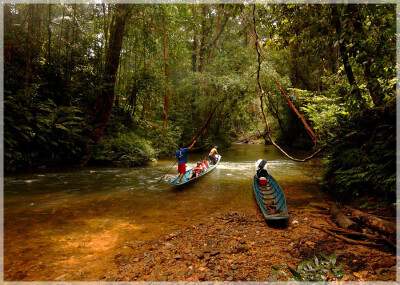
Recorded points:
(123, 84)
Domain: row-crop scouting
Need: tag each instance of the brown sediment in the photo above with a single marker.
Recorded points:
(242, 247)
(234, 246)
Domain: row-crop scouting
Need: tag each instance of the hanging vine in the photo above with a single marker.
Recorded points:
(262, 102)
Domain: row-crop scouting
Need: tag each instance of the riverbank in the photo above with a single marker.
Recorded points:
(98, 224)
(241, 247)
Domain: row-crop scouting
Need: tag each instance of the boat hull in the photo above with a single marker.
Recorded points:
(271, 199)
(185, 178)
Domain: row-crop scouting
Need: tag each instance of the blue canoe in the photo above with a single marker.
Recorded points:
(271, 199)
(185, 178)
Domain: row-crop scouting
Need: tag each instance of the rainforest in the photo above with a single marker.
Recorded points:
(121, 86)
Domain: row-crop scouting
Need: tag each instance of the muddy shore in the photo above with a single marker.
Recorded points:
(243, 247)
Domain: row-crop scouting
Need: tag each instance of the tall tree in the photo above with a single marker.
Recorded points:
(166, 97)
(105, 99)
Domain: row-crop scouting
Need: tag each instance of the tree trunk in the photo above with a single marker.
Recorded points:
(105, 99)
(166, 97)
(118, 84)
(374, 222)
(194, 55)
(342, 220)
(133, 102)
(373, 85)
(61, 36)
(345, 58)
(29, 45)
(214, 43)
(105, 25)
(49, 34)
(204, 33)
(218, 31)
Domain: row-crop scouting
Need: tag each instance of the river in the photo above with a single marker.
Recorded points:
(67, 224)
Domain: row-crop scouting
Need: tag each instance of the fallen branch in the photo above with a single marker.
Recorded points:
(262, 106)
(332, 223)
(354, 233)
(319, 207)
(259, 47)
(348, 240)
(320, 212)
(342, 220)
(371, 237)
(374, 222)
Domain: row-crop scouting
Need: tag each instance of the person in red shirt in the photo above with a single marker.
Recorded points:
(180, 154)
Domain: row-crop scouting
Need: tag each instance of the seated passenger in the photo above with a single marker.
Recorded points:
(205, 162)
(203, 167)
(196, 171)
(261, 169)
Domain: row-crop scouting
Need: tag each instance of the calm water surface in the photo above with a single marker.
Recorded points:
(68, 224)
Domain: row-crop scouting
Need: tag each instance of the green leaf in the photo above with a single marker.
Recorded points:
(295, 274)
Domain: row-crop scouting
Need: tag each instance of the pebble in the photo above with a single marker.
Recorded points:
(60, 277)
(241, 248)
(199, 254)
(162, 278)
(208, 249)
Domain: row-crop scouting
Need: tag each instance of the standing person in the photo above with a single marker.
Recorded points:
(212, 154)
(180, 154)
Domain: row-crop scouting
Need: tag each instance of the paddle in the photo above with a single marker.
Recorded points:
(167, 172)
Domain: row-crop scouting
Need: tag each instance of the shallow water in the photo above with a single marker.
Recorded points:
(68, 224)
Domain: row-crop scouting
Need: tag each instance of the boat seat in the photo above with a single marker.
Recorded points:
(262, 189)
(267, 198)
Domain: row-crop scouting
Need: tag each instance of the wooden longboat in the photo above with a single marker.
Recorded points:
(185, 178)
(271, 199)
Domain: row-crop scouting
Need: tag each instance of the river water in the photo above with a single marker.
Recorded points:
(68, 224)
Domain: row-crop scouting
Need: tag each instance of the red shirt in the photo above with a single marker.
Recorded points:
(197, 169)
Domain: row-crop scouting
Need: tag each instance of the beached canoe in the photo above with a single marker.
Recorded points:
(185, 178)
(271, 199)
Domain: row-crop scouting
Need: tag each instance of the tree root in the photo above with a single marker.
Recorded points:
(348, 240)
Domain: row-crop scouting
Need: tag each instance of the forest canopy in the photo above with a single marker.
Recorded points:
(123, 84)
